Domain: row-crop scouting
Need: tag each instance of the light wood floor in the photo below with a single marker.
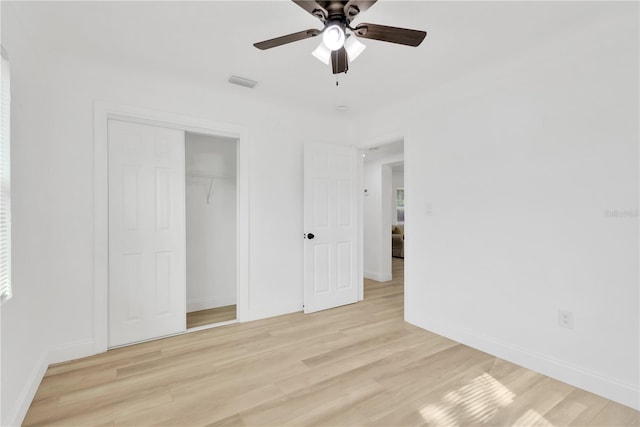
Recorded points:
(354, 365)
(211, 316)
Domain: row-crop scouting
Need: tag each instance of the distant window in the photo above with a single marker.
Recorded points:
(400, 205)
(5, 180)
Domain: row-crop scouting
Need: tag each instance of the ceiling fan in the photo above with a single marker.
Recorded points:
(339, 45)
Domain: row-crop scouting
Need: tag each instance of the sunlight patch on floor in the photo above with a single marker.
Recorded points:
(533, 418)
(475, 402)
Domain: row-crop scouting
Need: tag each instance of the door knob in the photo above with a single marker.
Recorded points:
(309, 236)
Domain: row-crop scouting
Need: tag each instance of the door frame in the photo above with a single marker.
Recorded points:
(104, 111)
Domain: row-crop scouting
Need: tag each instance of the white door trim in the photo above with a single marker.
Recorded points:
(104, 111)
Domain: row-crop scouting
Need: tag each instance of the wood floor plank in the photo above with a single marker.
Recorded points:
(203, 409)
(309, 405)
(234, 420)
(211, 316)
(355, 365)
(530, 406)
(616, 414)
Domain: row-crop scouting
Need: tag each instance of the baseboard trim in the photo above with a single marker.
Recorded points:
(29, 390)
(265, 314)
(611, 388)
(70, 351)
(377, 276)
(56, 354)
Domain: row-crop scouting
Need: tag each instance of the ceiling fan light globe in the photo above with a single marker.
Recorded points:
(354, 47)
(333, 37)
(322, 53)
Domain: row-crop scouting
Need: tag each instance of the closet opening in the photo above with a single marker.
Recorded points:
(211, 200)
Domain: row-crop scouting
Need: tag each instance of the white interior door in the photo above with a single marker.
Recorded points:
(146, 232)
(330, 224)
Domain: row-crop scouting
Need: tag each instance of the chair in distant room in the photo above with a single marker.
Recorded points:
(397, 241)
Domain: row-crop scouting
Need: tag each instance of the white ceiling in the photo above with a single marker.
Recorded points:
(209, 41)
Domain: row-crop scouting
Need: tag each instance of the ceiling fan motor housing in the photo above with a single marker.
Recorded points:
(340, 23)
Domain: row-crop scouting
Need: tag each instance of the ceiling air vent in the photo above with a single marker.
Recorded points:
(241, 81)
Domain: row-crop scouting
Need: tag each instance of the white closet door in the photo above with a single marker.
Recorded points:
(147, 284)
(330, 226)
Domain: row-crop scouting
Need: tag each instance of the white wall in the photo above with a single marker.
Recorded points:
(25, 317)
(377, 217)
(51, 316)
(515, 175)
(211, 221)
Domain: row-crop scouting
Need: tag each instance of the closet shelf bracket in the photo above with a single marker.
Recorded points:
(210, 188)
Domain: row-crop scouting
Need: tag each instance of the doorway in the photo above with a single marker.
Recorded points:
(383, 210)
(211, 234)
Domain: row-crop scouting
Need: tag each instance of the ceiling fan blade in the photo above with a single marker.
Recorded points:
(383, 33)
(353, 7)
(289, 38)
(313, 8)
(339, 61)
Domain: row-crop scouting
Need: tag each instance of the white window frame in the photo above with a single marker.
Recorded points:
(5, 180)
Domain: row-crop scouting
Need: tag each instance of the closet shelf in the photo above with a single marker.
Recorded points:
(209, 176)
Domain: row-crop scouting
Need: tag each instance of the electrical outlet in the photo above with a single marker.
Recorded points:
(565, 319)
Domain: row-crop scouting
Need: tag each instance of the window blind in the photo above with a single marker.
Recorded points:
(5, 180)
